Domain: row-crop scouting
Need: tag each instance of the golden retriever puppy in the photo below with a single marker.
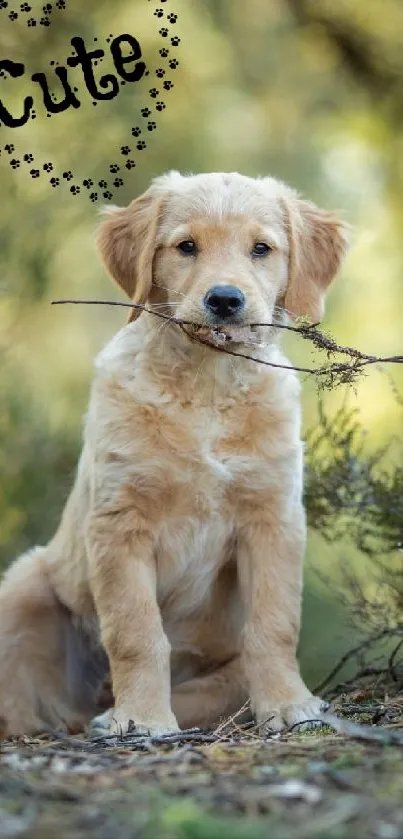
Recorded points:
(177, 565)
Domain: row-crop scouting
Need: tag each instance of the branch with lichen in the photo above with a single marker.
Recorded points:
(328, 376)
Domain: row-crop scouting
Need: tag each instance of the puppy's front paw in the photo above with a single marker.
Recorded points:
(305, 714)
(123, 722)
(100, 724)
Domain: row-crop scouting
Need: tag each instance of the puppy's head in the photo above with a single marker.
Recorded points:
(223, 250)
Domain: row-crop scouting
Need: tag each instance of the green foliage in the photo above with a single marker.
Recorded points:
(36, 465)
(355, 497)
(349, 491)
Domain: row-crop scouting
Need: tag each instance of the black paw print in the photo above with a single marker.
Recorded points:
(13, 15)
(31, 21)
(145, 112)
(175, 41)
(103, 184)
(47, 8)
(34, 173)
(44, 21)
(67, 175)
(94, 196)
(164, 52)
(136, 131)
(25, 7)
(159, 13)
(3, 4)
(61, 4)
(75, 189)
(48, 167)
(151, 126)
(174, 63)
(114, 168)
(168, 85)
(160, 106)
(160, 72)
(141, 145)
(54, 182)
(15, 163)
(88, 183)
(163, 32)
(130, 164)
(107, 195)
(125, 149)
(9, 148)
(172, 17)
(29, 158)
(153, 92)
(118, 182)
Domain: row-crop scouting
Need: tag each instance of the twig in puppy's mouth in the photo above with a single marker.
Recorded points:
(220, 348)
(337, 372)
(232, 333)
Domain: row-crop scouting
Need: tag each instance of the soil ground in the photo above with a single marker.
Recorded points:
(343, 783)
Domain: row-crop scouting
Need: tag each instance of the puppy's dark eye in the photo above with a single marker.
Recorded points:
(188, 247)
(260, 249)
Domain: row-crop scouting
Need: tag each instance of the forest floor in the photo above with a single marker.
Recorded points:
(344, 781)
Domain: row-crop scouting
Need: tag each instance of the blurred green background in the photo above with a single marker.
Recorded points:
(309, 92)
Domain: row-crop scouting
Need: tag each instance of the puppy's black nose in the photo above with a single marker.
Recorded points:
(224, 301)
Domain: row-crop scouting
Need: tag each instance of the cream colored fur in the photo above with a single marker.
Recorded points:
(180, 549)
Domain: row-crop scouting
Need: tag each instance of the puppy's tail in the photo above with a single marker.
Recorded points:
(43, 654)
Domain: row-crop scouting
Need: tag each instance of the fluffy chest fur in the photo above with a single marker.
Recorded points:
(166, 417)
(192, 445)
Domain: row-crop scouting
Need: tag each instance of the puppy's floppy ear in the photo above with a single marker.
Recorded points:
(318, 241)
(127, 243)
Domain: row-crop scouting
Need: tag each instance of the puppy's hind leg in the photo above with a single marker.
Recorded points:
(47, 669)
(206, 700)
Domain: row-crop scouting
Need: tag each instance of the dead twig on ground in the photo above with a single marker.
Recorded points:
(360, 648)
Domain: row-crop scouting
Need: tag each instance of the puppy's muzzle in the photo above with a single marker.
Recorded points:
(224, 304)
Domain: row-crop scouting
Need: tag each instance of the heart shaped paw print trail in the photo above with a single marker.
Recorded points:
(72, 80)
